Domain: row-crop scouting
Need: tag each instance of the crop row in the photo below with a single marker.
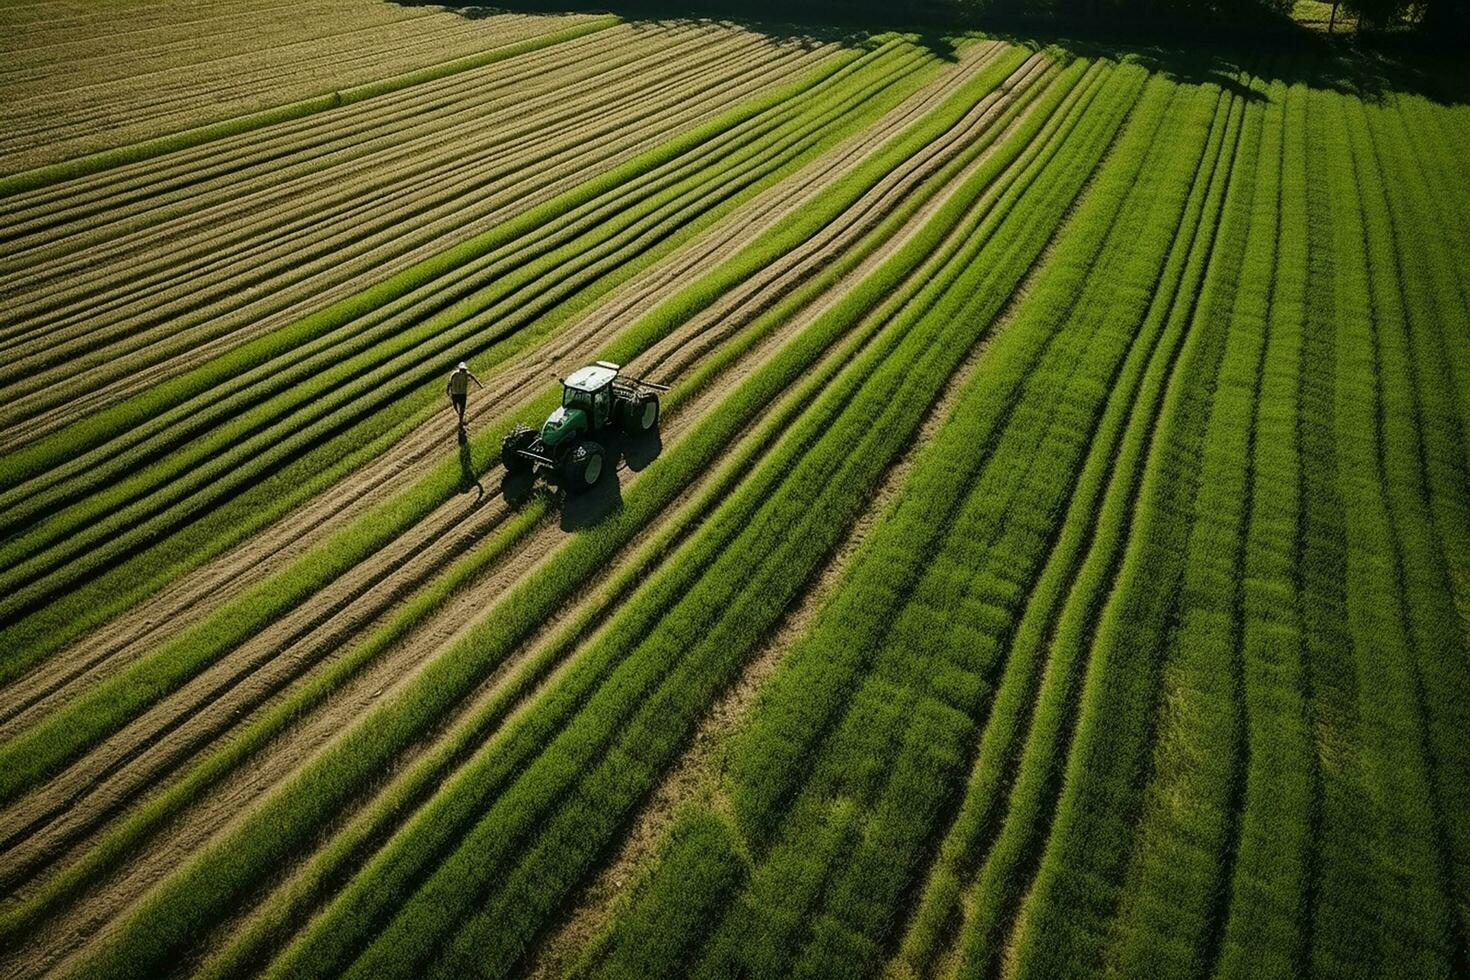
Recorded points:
(743, 268)
(1030, 712)
(1076, 873)
(1265, 930)
(652, 605)
(939, 642)
(529, 274)
(359, 147)
(1434, 514)
(94, 209)
(832, 178)
(494, 633)
(71, 64)
(1420, 498)
(363, 152)
(267, 84)
(658, 178)
(342, 234)
(740, 267)
(1182, 855)
(1388, 741)
(618, 183)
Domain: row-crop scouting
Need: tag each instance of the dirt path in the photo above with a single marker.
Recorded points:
(474, 601)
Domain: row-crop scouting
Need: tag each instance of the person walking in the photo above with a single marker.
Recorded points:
(459, 388)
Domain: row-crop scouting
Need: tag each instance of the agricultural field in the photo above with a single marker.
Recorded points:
(1053, 558)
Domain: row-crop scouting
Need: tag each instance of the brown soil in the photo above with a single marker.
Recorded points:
(347, 226)
(49, 124)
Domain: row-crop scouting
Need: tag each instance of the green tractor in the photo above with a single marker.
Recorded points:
(569, 445)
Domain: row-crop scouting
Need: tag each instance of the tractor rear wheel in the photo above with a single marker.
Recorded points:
(640, 413)
(583, 467)
(519, 438)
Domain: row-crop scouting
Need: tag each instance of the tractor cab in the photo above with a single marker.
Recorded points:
(586, 404)
(590, 389)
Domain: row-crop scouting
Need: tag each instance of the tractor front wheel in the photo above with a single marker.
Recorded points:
(519, 438)
(583, 467)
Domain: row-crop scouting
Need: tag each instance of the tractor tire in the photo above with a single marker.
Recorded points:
(520, 437)
(583, 467)
(640, 413)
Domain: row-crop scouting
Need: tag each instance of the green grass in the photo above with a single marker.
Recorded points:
(1266, 929)
(1038, 676)
(1109, 736)
(940, 654)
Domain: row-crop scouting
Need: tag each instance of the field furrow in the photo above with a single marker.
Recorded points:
(58, 125)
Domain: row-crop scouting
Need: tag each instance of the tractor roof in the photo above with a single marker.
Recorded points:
(591, 378)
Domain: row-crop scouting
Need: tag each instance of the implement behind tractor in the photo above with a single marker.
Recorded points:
(569, 445)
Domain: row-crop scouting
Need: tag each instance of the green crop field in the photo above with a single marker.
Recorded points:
(1053, 558)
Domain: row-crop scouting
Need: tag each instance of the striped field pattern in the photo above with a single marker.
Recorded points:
(1053, 560)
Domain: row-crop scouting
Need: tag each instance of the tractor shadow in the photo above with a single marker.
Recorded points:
(580, 511)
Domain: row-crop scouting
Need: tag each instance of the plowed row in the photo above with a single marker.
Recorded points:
(1054, 556)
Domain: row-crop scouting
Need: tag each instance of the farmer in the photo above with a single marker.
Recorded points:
(459, 388)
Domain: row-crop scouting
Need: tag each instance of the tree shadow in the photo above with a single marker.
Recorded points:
(1269, 45)
(805, 23)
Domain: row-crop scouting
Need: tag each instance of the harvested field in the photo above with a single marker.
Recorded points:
(1053, 556)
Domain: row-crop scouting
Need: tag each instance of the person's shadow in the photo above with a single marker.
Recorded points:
(467, 478)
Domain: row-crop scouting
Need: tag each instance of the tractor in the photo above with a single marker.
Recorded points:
(570, 443)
